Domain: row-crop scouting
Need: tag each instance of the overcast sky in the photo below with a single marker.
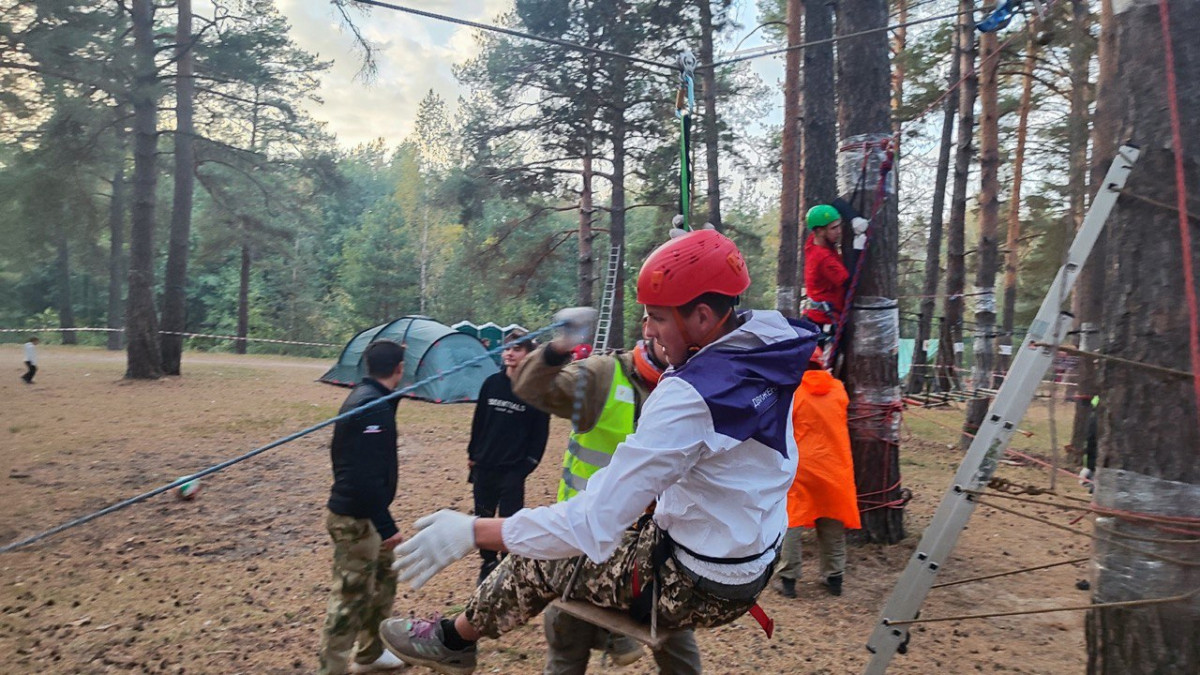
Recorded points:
(416, 54)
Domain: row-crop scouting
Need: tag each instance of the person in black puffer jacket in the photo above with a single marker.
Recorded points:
(363, 453)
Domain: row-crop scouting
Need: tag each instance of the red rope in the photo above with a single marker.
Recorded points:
(1189, 278)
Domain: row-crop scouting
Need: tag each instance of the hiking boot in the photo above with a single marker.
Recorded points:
(833, 582)
(786, 587)
(419, 642)
(386, 661)
(623, 650)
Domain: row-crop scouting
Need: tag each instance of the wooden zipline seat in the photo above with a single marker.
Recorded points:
(612, 620)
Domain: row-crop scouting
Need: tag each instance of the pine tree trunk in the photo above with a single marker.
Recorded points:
(143, 359)
(62, 270)
(819, 137)
(174, 303)
(616, 231)
(587, 272)
(1013, 241)
(921, 375)
(956, 270)
(243, 311)
(1149, 431)
(712, 130)
(899, 44)
(787, 274)
(987, 250)
(116, 259)
(872, 343)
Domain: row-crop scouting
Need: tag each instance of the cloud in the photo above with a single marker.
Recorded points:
(415, 54)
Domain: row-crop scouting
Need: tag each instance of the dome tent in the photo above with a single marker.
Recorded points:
(430, 348)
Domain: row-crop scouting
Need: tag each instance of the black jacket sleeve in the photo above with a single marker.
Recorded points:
(477, 421)
(367, 476)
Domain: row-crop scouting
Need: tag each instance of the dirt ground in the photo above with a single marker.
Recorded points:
(236, 581)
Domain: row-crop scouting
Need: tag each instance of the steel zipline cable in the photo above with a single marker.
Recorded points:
(648, 62)
(12, 546)
(517, 33)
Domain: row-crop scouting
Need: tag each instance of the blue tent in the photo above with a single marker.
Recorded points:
(430, 348)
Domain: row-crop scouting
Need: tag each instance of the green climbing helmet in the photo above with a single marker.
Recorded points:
(821, 215)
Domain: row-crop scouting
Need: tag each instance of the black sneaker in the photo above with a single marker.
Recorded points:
(834, 583)
(787, 587)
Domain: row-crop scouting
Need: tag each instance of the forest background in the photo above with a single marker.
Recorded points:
(499, 206)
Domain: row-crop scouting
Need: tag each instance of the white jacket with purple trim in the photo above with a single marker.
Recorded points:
(714, 446)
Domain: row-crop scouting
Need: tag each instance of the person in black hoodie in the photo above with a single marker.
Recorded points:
(508, 439)
(363, 452)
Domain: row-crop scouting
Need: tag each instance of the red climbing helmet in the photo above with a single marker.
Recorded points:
(688, 266)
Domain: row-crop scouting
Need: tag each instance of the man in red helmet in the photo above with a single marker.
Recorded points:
(603, 396)
(713, 447)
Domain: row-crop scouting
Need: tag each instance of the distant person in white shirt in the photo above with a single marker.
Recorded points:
(713, 446)
(30, 360)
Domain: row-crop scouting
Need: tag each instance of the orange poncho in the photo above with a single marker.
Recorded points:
(824, 484)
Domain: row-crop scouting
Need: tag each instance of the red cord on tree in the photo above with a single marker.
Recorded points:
(1185, 237)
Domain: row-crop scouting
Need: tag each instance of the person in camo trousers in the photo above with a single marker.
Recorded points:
(712, 447)
(614, 388)
(363, 452)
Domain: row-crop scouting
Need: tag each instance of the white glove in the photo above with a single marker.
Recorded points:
(442, 538)
(576, 329)
(860, 232)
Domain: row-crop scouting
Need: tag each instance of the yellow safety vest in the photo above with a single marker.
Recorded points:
(591, 451)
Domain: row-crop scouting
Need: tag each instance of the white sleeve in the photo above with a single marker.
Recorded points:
(674, 429)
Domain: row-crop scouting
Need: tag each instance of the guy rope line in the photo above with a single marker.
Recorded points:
(515, 33)
(1151, 520)
(956, 582)
(12, 546)
(1073, 608)
(1114, 542)
(1116, 359)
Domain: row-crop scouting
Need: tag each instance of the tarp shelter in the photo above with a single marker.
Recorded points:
(430, 348)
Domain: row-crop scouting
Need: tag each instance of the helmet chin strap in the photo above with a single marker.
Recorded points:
(693, 346)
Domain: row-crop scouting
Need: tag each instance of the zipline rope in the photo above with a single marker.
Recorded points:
(261, 449)
(515, 33)
(235, 338)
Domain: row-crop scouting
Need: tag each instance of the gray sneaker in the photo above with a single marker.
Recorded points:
(419, 642)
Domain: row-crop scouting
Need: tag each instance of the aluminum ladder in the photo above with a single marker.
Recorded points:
(1030, 363)
(604, 322)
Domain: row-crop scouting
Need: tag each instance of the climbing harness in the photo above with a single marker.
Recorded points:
(685, 101)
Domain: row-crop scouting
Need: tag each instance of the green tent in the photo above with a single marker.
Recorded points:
(430, 348)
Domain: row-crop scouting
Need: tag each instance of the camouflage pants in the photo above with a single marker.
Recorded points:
(520, 588)
(570, 641)
(364, 588)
